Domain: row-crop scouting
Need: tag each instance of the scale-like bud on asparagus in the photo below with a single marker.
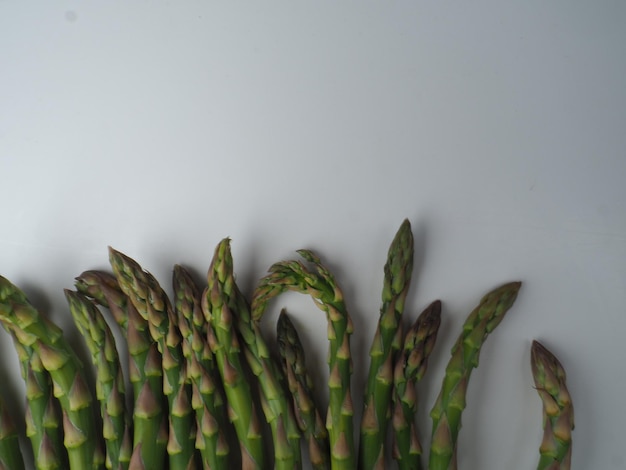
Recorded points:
(154, 306)
(69, 385)
(377, 399)
(301, 388)
(558, 411)
(446, 413)
(320, 284)
(145, 372)
(410, 367)
(207, 399)
(110, 388)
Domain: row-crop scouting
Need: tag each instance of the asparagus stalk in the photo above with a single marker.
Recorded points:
(153, 305)
(301, 388)
(285, 432)
(446, 413)
(558, 411)
(207, 399)
(110, 388)
(387, 342)
(224, 342)
(322, 287)
(146, 375)
(409, 368)
(42, 410)
(69, 384)
(10, 454)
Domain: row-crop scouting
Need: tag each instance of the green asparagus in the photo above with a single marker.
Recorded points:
(397, 278)
(153, 305)
(146, 375)
(409, 368)
(110, 388)
(207, 399)
(69, 384)
(320, 284)
(42, 409)
(301, 388)
(224, 343)
(558, 411)
(285, 432)
(200, 369)
(446, 413)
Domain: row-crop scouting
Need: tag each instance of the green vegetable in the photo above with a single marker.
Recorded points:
(320, 284)
(150, 432)
(43, 414)
(285, 432)
(207, 398)
(153, 305)
(410, 367)
(201, 372)
(110, 388)
(446, 413)
(301, 388)
(558, 411)
(69, 384)
(224, 342)
(386, 343)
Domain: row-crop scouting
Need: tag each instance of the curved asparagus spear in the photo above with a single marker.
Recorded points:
(285, 432)
(69, 384)
(207, 399)
(446, 413)
(301, 388)
(153, 305)
(558, 411)
(222, 338)
(10, 454)
(320, 284)
(398, 270)
(145, 372)
(110, 389)
(410, 367)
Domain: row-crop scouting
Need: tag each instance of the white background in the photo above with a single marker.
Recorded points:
(497, 129)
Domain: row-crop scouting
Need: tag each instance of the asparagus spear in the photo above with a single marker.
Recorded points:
(397, 278)
(285, 432)
(224, 344)
(446, 413)
(558, 411)
(146, 375)
(153, 305)
(10, 454)
(301, 388)
(410, 367)
(110, 388)
(69, 384)
(322, 287)
(207, 398)
(42, 410)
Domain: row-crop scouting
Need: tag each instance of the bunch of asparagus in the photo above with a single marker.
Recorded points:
(206, 390)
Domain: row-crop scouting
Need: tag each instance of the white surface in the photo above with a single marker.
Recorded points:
(498, 130)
